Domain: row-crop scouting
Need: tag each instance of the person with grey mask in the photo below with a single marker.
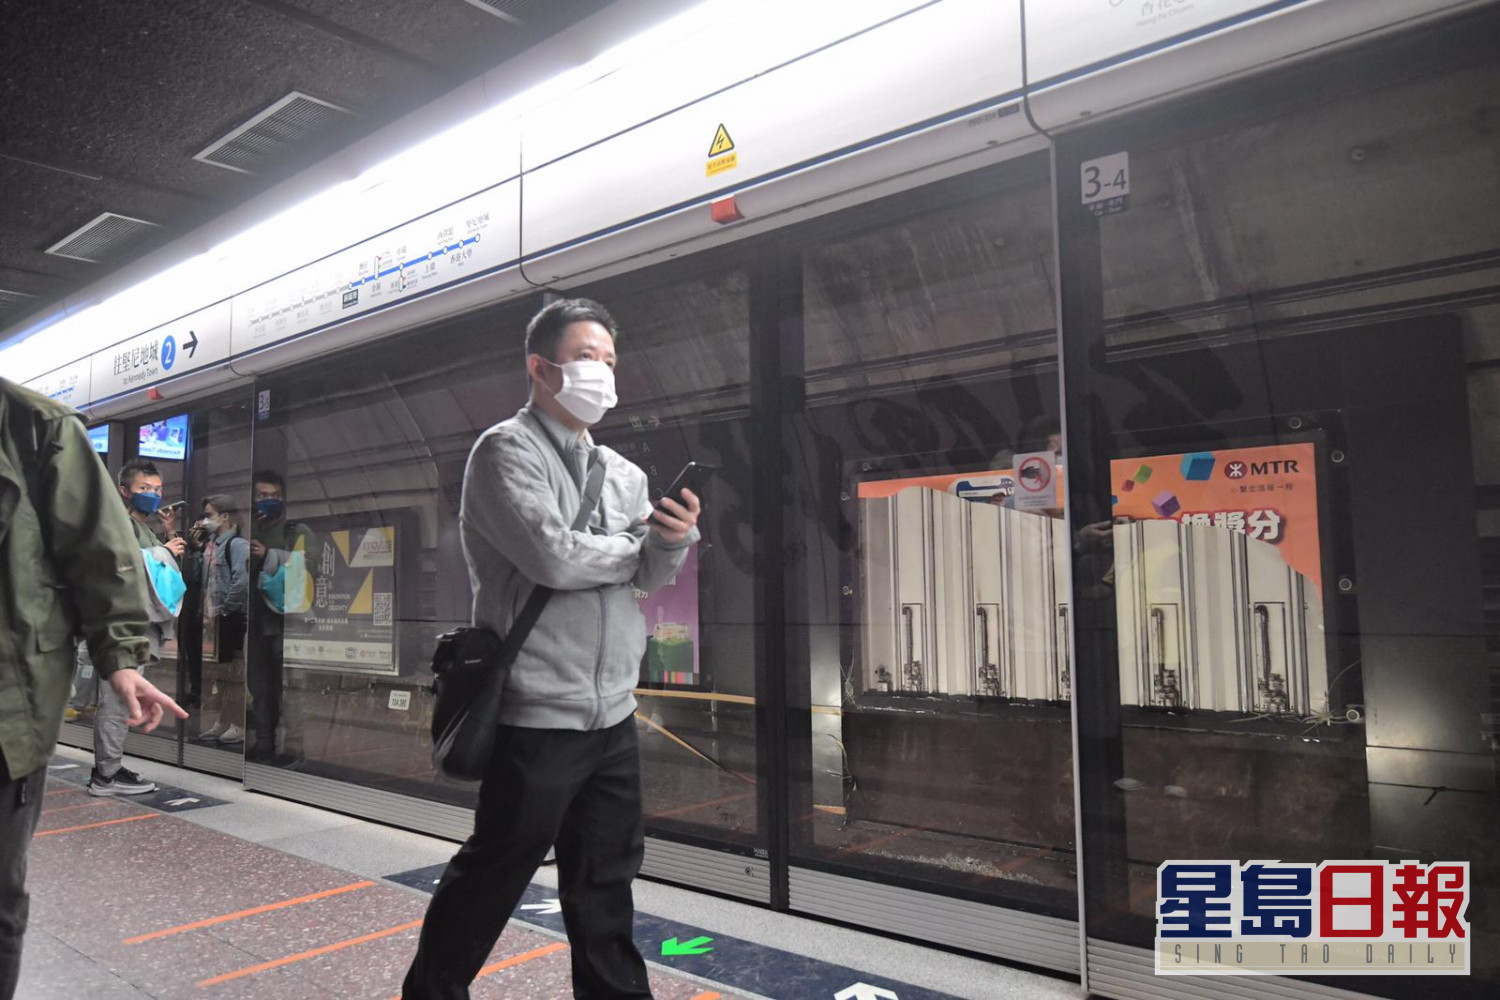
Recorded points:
(566, 768)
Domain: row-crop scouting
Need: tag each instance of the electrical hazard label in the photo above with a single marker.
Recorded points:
(721, 154)
(722, 143)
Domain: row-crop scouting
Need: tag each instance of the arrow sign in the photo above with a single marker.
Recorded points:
(191, 344)
(697, 946)
(545, 907)
(864, 991)
(182, 802)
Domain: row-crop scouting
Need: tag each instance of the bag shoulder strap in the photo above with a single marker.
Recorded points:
(539, 596)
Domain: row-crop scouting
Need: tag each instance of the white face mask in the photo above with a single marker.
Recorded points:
(588, 389)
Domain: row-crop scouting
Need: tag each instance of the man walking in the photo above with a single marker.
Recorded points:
(68, 563)
(140, 490)
(566, 769)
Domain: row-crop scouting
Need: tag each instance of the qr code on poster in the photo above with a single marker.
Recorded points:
(383, 604)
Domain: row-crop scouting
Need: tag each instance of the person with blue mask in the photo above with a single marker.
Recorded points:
(278, 580)
(140, 490)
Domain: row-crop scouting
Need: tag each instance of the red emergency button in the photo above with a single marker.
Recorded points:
(726, 211)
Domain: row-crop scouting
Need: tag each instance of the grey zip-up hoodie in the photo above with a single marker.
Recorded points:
(522, 488)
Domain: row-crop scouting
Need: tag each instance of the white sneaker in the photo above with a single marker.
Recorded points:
(214, 733)
(234, 734)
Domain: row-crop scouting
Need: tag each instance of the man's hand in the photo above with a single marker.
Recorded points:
(673, 521)
(257, 548)
(168, 518)
(177, 546)
(142, 699)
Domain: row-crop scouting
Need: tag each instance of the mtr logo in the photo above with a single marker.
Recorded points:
(1238, 469)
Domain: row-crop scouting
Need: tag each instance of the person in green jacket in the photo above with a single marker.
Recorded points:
(69, 564)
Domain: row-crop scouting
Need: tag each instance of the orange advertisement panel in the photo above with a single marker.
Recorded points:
(1268, 493)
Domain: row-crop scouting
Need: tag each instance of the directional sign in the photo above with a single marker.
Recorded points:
(172, 800)
(697, 946)
(864, 991)
(739, 965)
(172, 349)
(544, 907)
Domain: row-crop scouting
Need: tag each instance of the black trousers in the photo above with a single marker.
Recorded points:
(20, 808)
(264, 675)
(579, 792)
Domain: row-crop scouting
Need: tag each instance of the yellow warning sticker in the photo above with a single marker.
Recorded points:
(720, 164)
(722, 143)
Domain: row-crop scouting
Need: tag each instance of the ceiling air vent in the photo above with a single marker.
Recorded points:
(513, 11)
(13, 304)
(269, 135)
(107, 237)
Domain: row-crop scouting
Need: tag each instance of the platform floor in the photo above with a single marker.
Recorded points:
(205, 890)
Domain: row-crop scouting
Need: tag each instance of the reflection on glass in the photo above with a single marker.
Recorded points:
(928, 612)
(357, 565)
(683, 379)
(223, 576)
(1299, 397)
(212, 627)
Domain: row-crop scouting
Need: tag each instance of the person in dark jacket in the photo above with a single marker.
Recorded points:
(566, 769)
(69, 563)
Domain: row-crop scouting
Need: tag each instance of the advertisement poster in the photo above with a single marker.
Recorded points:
(350, 626)
(672, 648)
(1268, 493)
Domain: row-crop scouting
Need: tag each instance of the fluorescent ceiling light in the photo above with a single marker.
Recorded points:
(458, 162)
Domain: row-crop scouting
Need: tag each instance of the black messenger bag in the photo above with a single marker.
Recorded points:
(471, 666)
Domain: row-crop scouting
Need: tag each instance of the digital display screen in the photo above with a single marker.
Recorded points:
(165, 438)
(99, 438)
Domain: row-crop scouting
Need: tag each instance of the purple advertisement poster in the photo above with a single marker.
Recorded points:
(672, 630)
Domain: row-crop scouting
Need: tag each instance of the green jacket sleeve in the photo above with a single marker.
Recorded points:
(93, 547)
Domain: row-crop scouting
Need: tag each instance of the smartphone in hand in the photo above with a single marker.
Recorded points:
(694, 476)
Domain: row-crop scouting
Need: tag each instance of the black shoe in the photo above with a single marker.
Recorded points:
(123, 782)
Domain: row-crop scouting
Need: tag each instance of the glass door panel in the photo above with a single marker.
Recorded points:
(927, 610)
(1281, 386)
(212, 627)
(684, 386)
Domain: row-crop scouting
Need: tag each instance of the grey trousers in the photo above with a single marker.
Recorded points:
(110, 728)
(20, 808)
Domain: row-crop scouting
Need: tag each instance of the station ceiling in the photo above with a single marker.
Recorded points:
(116, 108)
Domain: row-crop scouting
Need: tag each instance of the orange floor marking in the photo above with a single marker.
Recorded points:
(95, 826)
(63, 809)
(523, 957)
(518, 959)
(700, 805)
(240, 914)
(62, 791)
(708, 996)
(302, 956)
